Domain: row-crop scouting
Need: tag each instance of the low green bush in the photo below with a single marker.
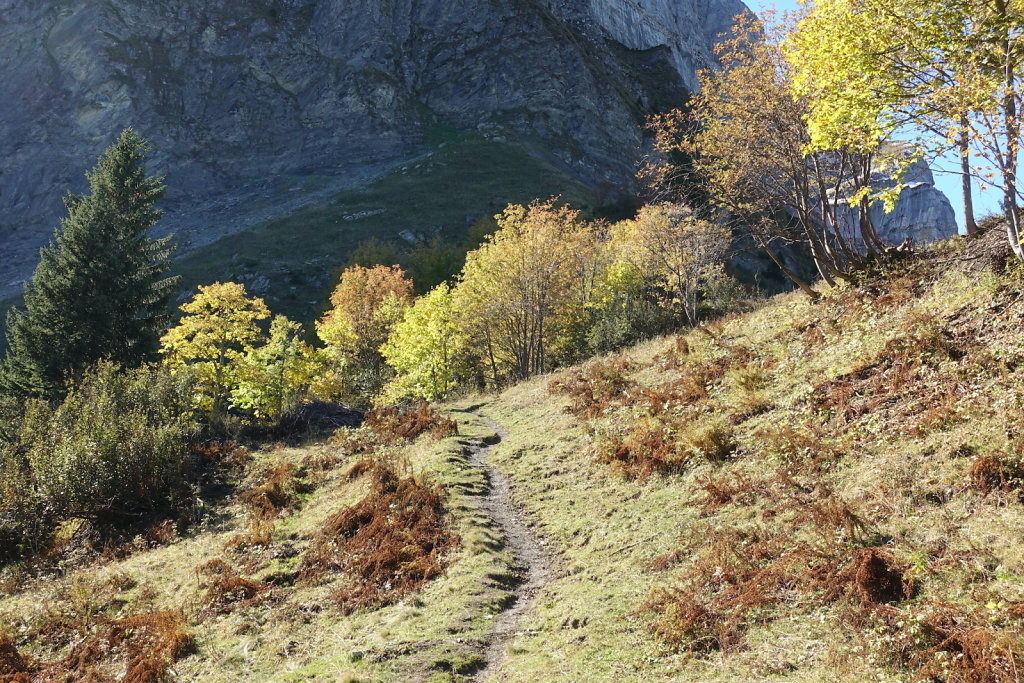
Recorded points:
(115, 452)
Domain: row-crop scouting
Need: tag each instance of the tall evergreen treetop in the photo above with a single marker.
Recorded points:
(101, 289)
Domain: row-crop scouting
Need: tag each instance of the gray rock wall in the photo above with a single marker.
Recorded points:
(241, 97)
(923, 213)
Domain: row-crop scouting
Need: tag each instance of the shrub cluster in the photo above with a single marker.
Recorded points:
(116, 451)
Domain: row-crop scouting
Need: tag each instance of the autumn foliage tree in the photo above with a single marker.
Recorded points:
(365, 306)
(681, 255)
(748, 138)
(218, 329)
(359, 320)
(949, 71)
(549, 288)
(273, 377)
(425, 348)
(517, 287)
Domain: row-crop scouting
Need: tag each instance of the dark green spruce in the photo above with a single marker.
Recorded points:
(101, 289)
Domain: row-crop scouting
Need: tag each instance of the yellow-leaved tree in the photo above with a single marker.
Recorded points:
(747, 136)
(949, 71)
(679, 254)
(365, 306)
(520, 287)
(272, 378)
(548, 288)
(216, 332)
(424, 349)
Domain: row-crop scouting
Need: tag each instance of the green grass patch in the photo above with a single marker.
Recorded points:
(293, 261)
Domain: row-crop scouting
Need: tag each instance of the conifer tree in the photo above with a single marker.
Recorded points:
(101, 289)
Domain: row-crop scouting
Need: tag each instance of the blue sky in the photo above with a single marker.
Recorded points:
(985, 201)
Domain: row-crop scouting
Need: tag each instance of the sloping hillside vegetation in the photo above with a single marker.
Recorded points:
(824, 486)
(813, 491)
(292, 261)
(816, 490)
(361, 556)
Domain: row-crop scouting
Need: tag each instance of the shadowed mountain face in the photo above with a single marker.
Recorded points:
(250, 101)
(258, 110)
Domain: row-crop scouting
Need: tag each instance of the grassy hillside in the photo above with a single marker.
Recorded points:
(238, 586)
(293, 261)
(811, 491)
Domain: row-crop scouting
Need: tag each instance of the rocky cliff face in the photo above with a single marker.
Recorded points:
(923, 213)
(240, 96)
(256, 107)
(681, 27)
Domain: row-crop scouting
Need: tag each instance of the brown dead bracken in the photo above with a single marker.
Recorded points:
(279, 490)
(13, 667)
(873, 577)
(389, 544)
(226, 590)
(991, 473)
(396, 423)
(135, 649)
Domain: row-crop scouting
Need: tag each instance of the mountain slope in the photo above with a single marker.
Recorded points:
(252, 102)
(276, 121)
(805, 492)
(292, 261)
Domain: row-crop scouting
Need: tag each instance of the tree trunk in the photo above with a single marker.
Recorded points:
(804, 287)
(965, 178)
(490, 357)
(1013, 227)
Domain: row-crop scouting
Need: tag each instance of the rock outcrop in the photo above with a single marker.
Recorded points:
(256, 107)
(923, 213)
(241, 97)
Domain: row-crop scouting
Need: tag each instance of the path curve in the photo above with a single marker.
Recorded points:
(532, 563)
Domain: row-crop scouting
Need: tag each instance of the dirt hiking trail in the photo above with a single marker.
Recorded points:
(531, 560)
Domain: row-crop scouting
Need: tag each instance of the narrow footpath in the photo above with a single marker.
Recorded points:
(532, 563)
